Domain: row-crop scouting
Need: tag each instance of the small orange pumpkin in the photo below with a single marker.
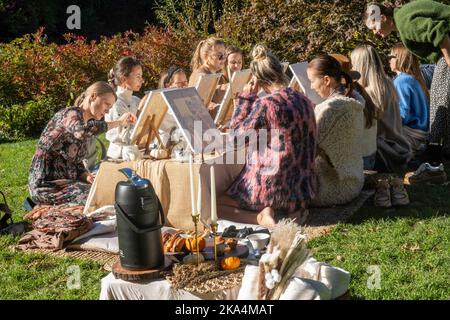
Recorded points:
(192, 246)
(230, 263)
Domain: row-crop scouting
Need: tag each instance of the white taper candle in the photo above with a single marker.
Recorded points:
(199, 195)
(191, 180)
(213, 197)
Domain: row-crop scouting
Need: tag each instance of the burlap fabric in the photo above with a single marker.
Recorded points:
(170, 179)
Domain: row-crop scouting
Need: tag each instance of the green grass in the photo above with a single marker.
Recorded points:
(36, 276)
(411, 246)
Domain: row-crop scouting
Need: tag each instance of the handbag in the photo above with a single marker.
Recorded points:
(7, 216)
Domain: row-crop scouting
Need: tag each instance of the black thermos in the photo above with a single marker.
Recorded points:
(138, 210)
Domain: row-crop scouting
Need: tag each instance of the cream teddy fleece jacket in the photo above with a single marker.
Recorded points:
(339, 164)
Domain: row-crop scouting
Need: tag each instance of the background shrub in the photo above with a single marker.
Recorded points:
(302, 29)
(32, 69)
(25, 120)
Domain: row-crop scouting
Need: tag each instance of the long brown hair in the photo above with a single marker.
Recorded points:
(326, 65)
(370, 110)
(122, 68)
(408, 63)
(229, 51)
(202, 50)
(99, 87)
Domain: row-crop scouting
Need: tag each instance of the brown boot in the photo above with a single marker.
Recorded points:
(399, 195)
(382, 196)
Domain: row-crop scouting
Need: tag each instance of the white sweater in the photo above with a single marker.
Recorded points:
(119, 136)
(339, 163)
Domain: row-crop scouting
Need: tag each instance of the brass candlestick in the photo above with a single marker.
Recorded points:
(195, 218)
(214, 226)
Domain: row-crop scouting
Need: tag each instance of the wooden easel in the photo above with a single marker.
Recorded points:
(152, 113)
(238, 80)
(150, 133)
(206, 86)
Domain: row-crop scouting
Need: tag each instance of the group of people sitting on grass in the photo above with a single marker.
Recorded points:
(367, 120)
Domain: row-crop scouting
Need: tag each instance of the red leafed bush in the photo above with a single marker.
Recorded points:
(31, 69)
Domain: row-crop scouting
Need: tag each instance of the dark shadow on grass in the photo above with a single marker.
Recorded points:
(427, 201)
(322, 217)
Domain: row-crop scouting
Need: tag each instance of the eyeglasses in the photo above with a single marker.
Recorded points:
(391, 57)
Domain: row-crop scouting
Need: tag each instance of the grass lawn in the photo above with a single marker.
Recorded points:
(410, 247)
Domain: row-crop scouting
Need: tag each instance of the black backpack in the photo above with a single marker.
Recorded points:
(6, 222)
(7, 213)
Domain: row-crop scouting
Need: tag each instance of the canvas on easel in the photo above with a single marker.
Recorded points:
(150, 118)
(187, 108)
(207, 85)
(237, 83)
(300, 82)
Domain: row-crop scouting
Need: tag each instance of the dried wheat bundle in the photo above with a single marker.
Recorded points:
(286, 252)
(191, 277)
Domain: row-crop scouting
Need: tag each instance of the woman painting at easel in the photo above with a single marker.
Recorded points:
(57, 173)
(209, 57)
(278, 180)
(174, 77)
(126, 77)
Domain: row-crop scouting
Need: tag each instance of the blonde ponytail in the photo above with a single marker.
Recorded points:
(202, 50)
(79, 100)
(196, 61)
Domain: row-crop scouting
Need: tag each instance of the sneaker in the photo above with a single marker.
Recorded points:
(426, 173)
(399, 196)
(382, 196)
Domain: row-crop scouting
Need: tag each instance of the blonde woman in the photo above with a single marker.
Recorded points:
(57, 174)
(279, 179)
(393, 149)
(209, 57)
(413, 96)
